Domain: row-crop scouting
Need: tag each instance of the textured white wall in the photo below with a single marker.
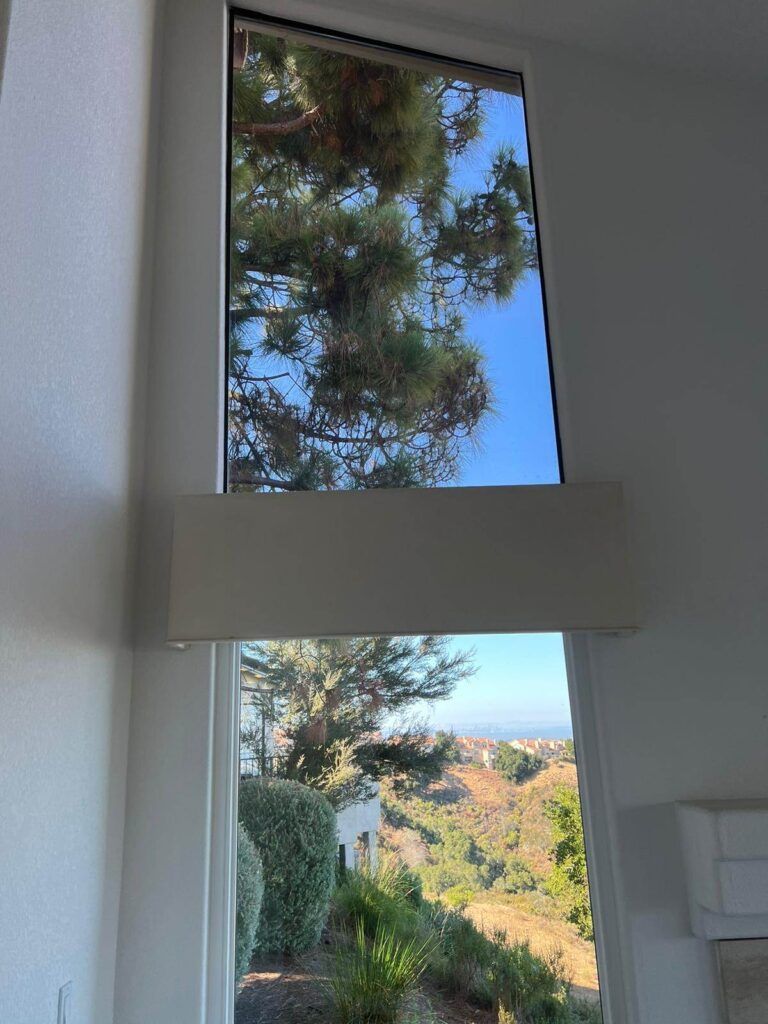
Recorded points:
(73, 159)
(656, 210)
(654, 214)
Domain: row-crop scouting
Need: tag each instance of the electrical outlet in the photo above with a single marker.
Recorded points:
(65, 1005)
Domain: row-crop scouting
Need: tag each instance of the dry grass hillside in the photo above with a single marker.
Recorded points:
(487, 805)
(499, 814)
(530, 799)
(544, 934)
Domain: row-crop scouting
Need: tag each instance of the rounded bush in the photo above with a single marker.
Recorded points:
(250, 893)
(294, 830)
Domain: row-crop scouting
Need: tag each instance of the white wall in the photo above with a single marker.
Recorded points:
(162, 947)
(364, 816)
(73, 162)
(656, 211)
(654, 219)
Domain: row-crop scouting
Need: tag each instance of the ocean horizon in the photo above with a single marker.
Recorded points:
(507, 731)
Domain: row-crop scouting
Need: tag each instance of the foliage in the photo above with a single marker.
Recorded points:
(492, 972)
(533, 986)
(569, 751)
(517, 877)
(516, 765)
(458, 897)
(487, 971)
(585, 1011)
(395, 880)
(568, 882)
(388, 896)
(370, 980)
(354, 257)
(294, 831)
(460, 856)
(250, 892)
(463, 959)
(448, 745)
(331, 698)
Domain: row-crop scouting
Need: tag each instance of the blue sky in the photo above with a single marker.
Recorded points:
(520, 679)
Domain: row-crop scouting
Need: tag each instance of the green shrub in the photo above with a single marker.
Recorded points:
(294, 830)
(250, 892)
(584, 1011)
(370, 981)
(532, 986)
(516, 765)
(379, 898)
(491, 973)
(448, 871)
(393, 878)
(517, 877)
(462, 959)
(457, 897)
(567, 881)
(486, 971)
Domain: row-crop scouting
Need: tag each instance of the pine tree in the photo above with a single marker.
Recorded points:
(354, 258)
(330, 698)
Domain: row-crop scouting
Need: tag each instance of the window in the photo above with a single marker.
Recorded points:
(387, 330)
(386, 319)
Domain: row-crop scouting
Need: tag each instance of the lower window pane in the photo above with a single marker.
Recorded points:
(410, 845)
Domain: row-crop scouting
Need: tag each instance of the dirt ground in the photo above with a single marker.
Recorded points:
(285, 990)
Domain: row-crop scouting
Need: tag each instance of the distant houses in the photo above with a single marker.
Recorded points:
(483, 751)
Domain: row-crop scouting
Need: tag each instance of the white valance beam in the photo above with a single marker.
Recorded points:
(394, 562)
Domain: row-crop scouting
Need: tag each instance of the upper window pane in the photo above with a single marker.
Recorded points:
(386, 321)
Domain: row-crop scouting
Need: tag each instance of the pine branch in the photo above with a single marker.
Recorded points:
(242, 480)
(264, 312)
(280, 127)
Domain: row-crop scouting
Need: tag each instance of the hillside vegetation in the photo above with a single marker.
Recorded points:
(482, 843)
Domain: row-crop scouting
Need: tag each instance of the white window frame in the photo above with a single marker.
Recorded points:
(190, 236)
(591, 784)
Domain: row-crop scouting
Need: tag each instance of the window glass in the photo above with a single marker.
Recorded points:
(386, 321)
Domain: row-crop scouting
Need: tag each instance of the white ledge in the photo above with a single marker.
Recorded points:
(394, 562)
(725, 850)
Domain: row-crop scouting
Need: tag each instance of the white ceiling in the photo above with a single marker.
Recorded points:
(722, 38)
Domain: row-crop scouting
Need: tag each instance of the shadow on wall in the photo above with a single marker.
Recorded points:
(653, 829)
(659, 901)
(5, 21)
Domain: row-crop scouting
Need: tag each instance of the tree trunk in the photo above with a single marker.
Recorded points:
(245, 480)
(239, 49)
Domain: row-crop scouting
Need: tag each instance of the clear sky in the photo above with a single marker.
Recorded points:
(521, 680)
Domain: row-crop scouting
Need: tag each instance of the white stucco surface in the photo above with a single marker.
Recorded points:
(654, 213)
(364, 816)
(74, 118)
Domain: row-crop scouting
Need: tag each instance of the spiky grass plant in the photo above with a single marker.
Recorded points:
(371, 979)
(385, 898)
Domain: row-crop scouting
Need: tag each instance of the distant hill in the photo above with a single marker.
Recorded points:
(481, 803)
(477, 839)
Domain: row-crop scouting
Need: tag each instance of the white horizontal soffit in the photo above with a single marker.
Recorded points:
(396, 562)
